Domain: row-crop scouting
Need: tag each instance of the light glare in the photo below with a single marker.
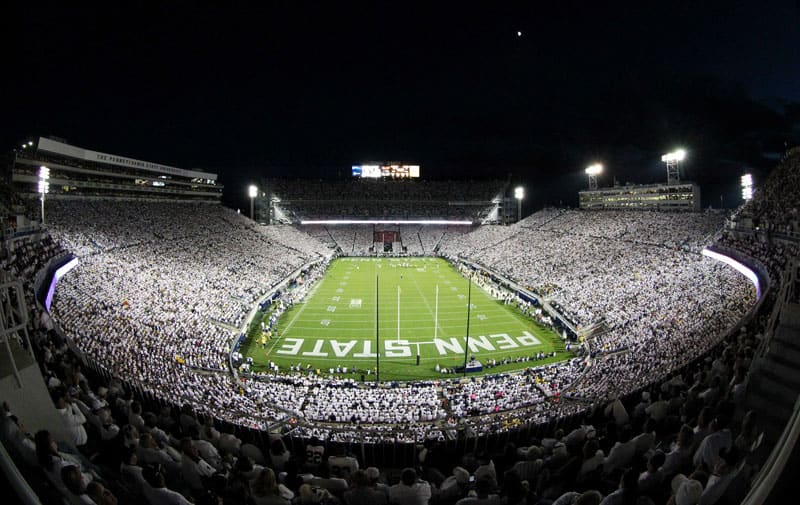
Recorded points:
(595, 169)
(677, 155)
(747, 187)
(252, 191)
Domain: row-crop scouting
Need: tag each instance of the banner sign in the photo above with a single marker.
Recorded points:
(53, 146)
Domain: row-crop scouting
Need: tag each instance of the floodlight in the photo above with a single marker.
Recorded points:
(677, 155)
(44, 186)
(30, 143)
(252, 190)
(595, 169)
(673, 161)
(747, 187)
(519, 194)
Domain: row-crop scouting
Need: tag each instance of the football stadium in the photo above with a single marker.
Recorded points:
(391, 261)
(378, 336)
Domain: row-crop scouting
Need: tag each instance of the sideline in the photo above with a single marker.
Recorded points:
(299, 311)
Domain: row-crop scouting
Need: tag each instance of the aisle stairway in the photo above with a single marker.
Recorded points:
(775, 379)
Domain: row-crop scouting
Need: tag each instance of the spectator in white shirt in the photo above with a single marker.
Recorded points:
(720, 438)
(72, 416)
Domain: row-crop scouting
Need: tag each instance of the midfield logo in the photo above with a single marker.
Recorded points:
(402, 348)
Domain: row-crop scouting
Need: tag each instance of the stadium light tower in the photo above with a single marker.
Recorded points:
(44, 185)
(593, 171)
(253, 192)
(519, 194)
(673, 161)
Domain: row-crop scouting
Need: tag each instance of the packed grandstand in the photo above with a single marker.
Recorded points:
(405, 199)
(136, 349)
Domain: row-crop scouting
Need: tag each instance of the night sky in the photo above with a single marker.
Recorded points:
(308, 89)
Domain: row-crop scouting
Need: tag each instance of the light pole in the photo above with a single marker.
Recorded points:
(253, 192)
(593, 171)
(44, 185)
(673, 161)
(519, 194)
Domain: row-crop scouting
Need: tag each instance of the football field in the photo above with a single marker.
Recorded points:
(422, 310)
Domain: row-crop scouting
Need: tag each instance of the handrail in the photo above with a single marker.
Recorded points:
(791, 294)
(18, 482)
(784, 447)
(14, 320)
(787, 280)
(775, 464)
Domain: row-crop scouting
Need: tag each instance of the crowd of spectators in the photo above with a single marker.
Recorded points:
(157, 300)
(663, 303)
(386, 199)
(353, 240)
(420, 240)
(154, 297)
(184, 277)
(359, 240)
(684, 440)
(776, 205)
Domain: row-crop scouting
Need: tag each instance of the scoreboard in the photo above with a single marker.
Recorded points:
(388, 169)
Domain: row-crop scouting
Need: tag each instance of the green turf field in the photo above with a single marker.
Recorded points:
(335, 325)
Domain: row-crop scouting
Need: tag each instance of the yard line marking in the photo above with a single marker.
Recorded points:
(300, 311)
(428, 305)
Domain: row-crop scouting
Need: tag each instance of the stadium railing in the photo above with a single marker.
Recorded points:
(772, 323)
(776, 462)
(20, 485)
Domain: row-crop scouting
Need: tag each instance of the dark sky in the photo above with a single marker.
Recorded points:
(290, 88)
